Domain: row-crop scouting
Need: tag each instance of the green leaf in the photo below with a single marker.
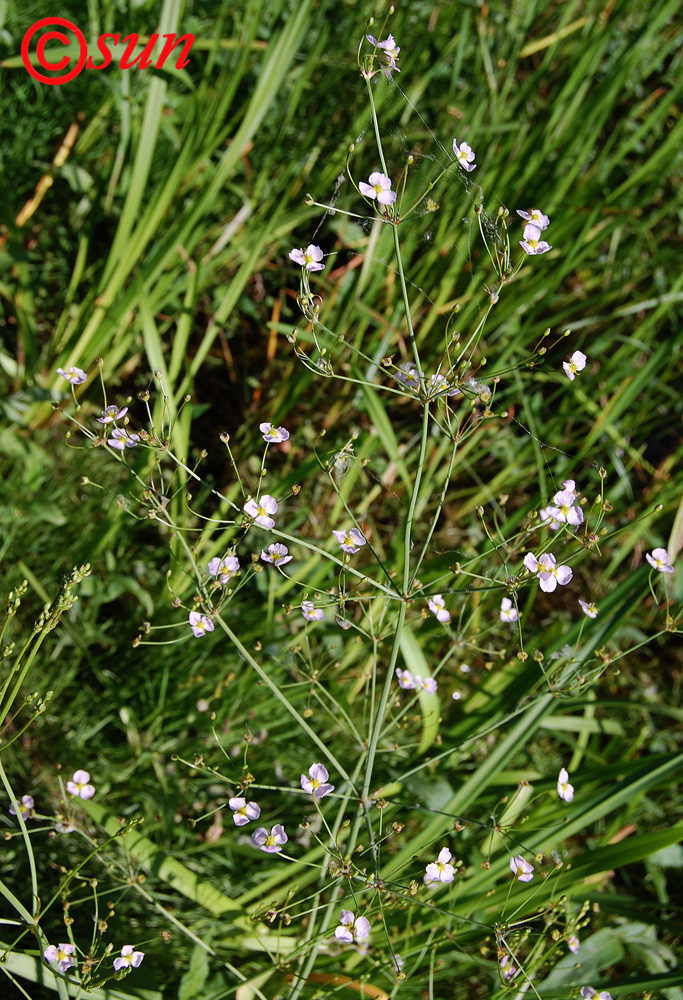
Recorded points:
(192, 983)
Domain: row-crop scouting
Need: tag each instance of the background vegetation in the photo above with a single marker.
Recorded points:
(159, 242)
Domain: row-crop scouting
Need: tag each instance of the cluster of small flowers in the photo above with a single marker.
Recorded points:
(63, 955)
(120, 438)
(315, 783)
(435, 386)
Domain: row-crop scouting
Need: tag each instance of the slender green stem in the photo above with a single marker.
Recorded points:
(263, 676)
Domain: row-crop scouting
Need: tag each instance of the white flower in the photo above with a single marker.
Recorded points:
(441, 870)
(564, 789)
(573, 944)
(405, 679)
(508, 612)
(570, 486)
(437, 606)
(521, 869)
(273, 434)
(531, 243)
(379, 187)
(464, 155)
(243, 811)
(261, 510)
(224, 569)
(536, 217)
(590, 610)
(311, 613)
(349, 541)
(309, 258)
(659, 559)
(352, 929)
(277, 554)
(588, 993)
(316, 783)
(576, 363)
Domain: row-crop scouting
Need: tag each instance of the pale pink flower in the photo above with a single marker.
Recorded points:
(121, 439)
(200, 624)
(271, 842)
(659, 559)
(379, 187)
(549, 574)
(309, 258)
(508, 612)
(277, 554)
(74, 375)
(129, 958)
(573, 944)
(441, 870)
(243, 811)
(590, 610)
(388, 48)
(273, 434)
(437, 606)
(61, 953)
(576, 363)
(352, 929)
(536, 217)
(25, 807)
(311, 613)
(532, 244)
(565, 509)
(349, 541)
(80, 785)
(224, 569)
(465, 155)
(550, 516)
(316, 783)
(112, 414)
(588, 993)
(531, 562)
(521, 869)
(507, 967)
(564, 789)
(261, 510)
(405, 679)
(428, 684)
